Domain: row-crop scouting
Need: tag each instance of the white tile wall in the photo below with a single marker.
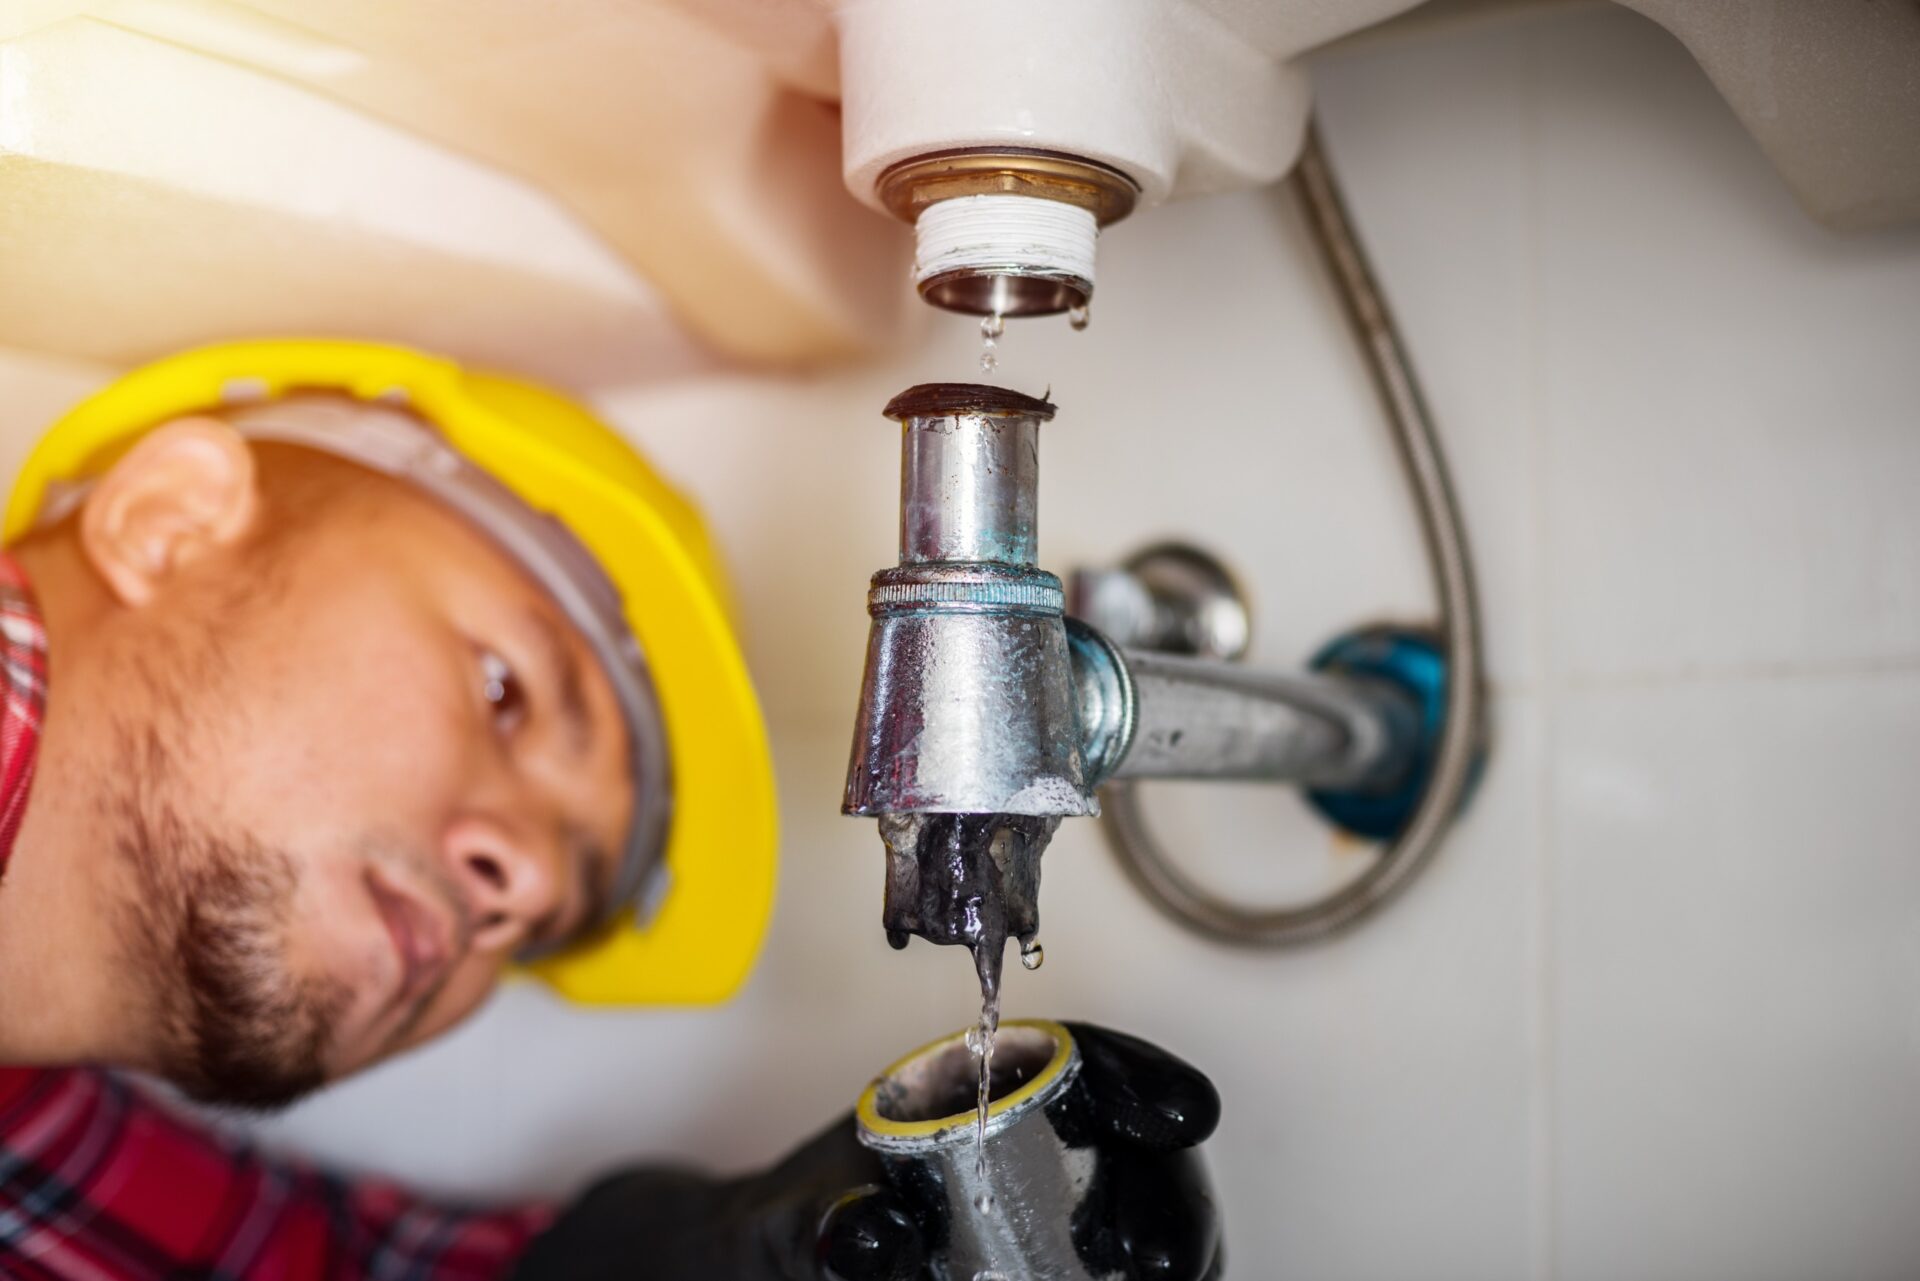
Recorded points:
(1719, 498)
(1737, 1003)
(1655, 1011)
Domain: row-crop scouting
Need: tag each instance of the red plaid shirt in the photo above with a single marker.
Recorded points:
(100, 1183)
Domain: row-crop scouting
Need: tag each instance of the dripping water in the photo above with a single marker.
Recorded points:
(988, 958)
(991, 327)
(969, 879)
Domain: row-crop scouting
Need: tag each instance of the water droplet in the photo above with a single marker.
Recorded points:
(991, 327)
(1032, 955)
(1079, 317)
(984, 1203)
(897, 939)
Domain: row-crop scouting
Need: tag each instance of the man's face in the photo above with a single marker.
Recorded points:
(368, 762)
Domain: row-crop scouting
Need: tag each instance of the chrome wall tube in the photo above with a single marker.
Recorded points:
(1452, 569)
(1202, 718)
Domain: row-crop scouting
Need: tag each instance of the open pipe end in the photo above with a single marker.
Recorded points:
(944, 400)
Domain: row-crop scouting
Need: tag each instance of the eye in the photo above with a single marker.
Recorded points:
(503, 692)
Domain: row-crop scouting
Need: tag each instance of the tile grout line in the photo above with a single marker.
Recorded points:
(1756, 672)
(1544, 1216)
(1752, 672)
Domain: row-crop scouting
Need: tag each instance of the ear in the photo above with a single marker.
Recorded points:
(184, 490)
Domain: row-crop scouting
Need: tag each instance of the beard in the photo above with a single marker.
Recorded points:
(212, 914)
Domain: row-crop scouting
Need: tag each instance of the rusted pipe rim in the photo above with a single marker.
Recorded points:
(911, 185)
(943, 400)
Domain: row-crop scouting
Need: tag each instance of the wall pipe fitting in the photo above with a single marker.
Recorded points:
(1214, 720)
(1146, 714)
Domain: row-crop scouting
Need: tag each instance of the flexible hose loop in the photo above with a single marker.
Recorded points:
(1424, 463)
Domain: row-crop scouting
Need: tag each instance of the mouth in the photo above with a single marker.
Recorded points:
(419, 938)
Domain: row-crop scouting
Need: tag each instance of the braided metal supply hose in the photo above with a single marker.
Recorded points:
(1459, 626)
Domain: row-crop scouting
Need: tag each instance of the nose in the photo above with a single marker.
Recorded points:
(510, 881)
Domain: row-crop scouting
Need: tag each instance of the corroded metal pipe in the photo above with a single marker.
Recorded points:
(967, 745)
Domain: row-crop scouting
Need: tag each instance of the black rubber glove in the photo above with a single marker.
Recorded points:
(670, 1224)
(826, 1213)
(1149, 1212)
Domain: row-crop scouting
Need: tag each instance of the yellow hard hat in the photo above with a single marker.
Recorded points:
(701, 939)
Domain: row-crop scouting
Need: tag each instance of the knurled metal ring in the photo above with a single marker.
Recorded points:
(910, 186)
(1041, 593)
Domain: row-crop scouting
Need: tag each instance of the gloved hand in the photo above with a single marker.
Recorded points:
(826, 1213)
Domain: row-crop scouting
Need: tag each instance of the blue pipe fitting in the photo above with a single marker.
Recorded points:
(1411, 659)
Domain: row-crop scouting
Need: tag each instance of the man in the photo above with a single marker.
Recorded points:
(337, 681)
